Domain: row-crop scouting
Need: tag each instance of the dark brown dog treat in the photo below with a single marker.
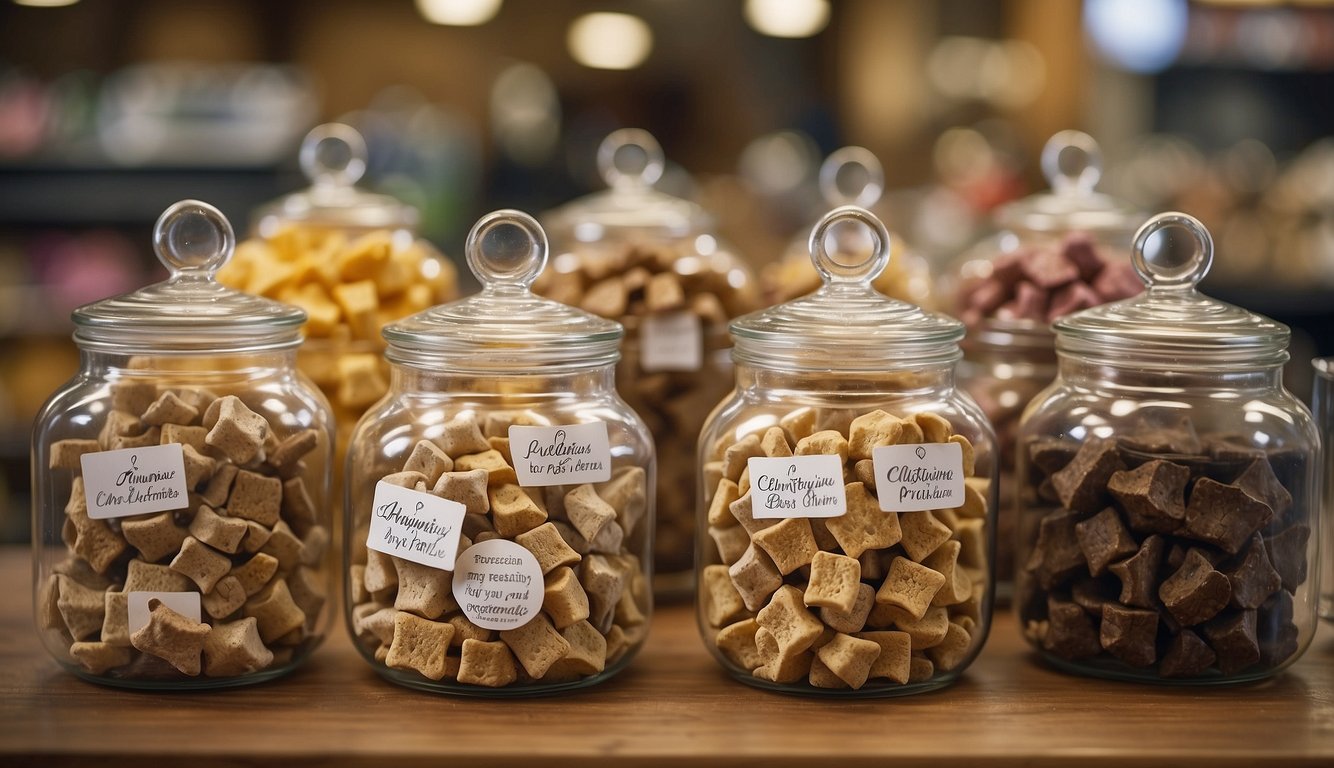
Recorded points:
(1051, 454)
(1195, 592)
(1171, 436)
(1260, 482)
(1139, 573)
(1275, 630)
(1071, 298)
(1082, 484)
(1070, 631)
(1079, 250)
(1153, 495)
(1186, 656)
(1223, 515)
(1056, 555)
(1104, 539)
(1287, 553)
(1232, 450)
(1232, 636)
(1047, 492)
(1253, 578)
(1093, 594)
(1130, 634)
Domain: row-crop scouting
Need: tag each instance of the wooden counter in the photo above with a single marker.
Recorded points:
(673, 706)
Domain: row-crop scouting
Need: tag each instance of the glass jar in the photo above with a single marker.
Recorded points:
(1169, 513)
(1054, 253)
(653, 263)
(846, 519)
(181, 480)
(500, 499)
(851, 176)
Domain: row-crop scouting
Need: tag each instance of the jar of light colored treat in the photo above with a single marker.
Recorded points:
(846, 527)
(1054, 253)
(500, 499)
(654, 263)
(1170, 507)
(181, 482)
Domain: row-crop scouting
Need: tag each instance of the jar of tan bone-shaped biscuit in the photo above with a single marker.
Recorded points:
(847, 514)
(181, 482)
(500, 499)
(1169, 506)
(655, 264)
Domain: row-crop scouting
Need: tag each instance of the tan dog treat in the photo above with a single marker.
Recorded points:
(97, 543)
(169, 408)
(969, 455)
(256, 536)
(68, 454)
(82, 609)
(826, 443)
(798, 424)
(576, 542)
(423, 590)
(834, 582)
(833, 419)
(609, 540)
(375, 620)
(98, 658)
(488, 664)
(922, 534)
(501, 445)
(894, 661)
(912, 433)
(737, 643)
(603, 582)
(951, 652)
(537, 645)
(172, 637)
(972, 543)
(255, 497)
(227, 597)
(731, 542)
(498, 423)
(910, 587)
(712, 472)
(790, 543)
(222, 533)
(588, 512)
(587, 654)
(780, 666)
(664, 293)
(628, 611)
(133, 396)
(738, 454)
(297, 506)
(462, 436)
(724, 496)
(152, 437)
(774, 443)
(564, 598)
(219, 487)
(151, 577)
(360, 381)
(314, 544)
(920, 669)
(947, 518)
(821, 676)
(307, 590)
(513, 511)
(823, 538)
(405, 479)
(467, 488)
(721, 602)
(292, 448)
(116, 618)
(191, 436)
(155, 537)
(958, 585)
(850, 658)
(201, 563)
(119, 424)
(864, 527)
(548, 547)
(926, 632)
(283, 546)
(627, 493)
(935, 428)
(755, 577)
(198, 467)
(196, 397)
(793, 627)
(975, 491)
(235, 430)
(275, 611)
(419, 645)
(466, 630)
(255, 573)
(870, 431)
(853, 620)
(430, 460)
(234, 649)
(360, 302)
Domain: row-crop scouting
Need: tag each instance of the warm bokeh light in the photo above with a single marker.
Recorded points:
(609, 40)
(459, 13)
(787, 18)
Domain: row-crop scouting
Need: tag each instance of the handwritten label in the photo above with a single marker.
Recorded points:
(671, 342)
(135, 481)
(797, 486)
(498, 584)
(416, 526)
(911, 478)
(184, 603)
(568, 454)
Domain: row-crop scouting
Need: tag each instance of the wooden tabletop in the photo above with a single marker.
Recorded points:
(673, 706)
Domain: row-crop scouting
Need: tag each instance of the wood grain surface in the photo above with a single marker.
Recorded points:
(672, 706)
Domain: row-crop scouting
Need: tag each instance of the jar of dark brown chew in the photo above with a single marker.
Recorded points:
(1169, 495)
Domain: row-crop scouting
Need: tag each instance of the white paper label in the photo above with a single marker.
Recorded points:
(135, 481)
(498, 584)
(184, 603)
(416, 526)
(911, 478)
(796, 486)
(565, 455)
(671, 342)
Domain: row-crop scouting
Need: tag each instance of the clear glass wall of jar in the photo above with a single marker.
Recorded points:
(181, 481)
(846, 519)
(1168, 511)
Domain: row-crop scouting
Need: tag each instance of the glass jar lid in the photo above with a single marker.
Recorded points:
(1072, 164)
(630, 160)
(851, 175)
(189, 312)
(846, 325)
(333, 158)
(505, 328)
(1172, 325)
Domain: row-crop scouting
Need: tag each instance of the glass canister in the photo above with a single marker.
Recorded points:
(1055, 253)
(1169, 520)
(352, 260)
(846, 517)
(500, 499)
(181, 482)
(851, 176)
(652, 262)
